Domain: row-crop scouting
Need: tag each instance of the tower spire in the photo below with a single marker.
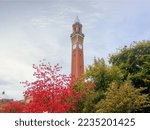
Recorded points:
(77, 20)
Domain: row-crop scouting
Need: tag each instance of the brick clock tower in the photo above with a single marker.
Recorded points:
(77, 64)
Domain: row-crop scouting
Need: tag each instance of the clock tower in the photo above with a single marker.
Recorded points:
(77, 64)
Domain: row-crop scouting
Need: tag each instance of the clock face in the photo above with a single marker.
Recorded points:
(80, 46)
(74, 46)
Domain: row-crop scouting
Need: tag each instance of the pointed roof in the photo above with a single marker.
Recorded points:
(77, 20)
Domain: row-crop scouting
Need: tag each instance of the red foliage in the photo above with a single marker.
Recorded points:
(51, 91)
(14, 107)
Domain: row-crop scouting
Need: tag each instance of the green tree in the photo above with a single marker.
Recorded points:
(102, 75)
(134, 61)
(86, 102)
(123, 98)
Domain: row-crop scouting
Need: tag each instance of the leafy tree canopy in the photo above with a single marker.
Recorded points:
(86, 102)
(134, 61)
(123, 98)
(51, 91)
(102, 75)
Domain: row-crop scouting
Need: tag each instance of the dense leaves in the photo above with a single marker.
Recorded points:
(86, 101)
(14, 107)
(51, 91)
(123, 98)
(129, 65)
(102, 75)
(135, 63)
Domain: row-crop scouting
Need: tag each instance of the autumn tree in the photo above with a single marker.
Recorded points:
(14, 107)
(123, 98)
(51, 91)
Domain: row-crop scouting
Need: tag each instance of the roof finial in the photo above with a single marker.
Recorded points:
(77, 20)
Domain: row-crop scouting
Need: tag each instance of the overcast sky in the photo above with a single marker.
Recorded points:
(32, 30)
